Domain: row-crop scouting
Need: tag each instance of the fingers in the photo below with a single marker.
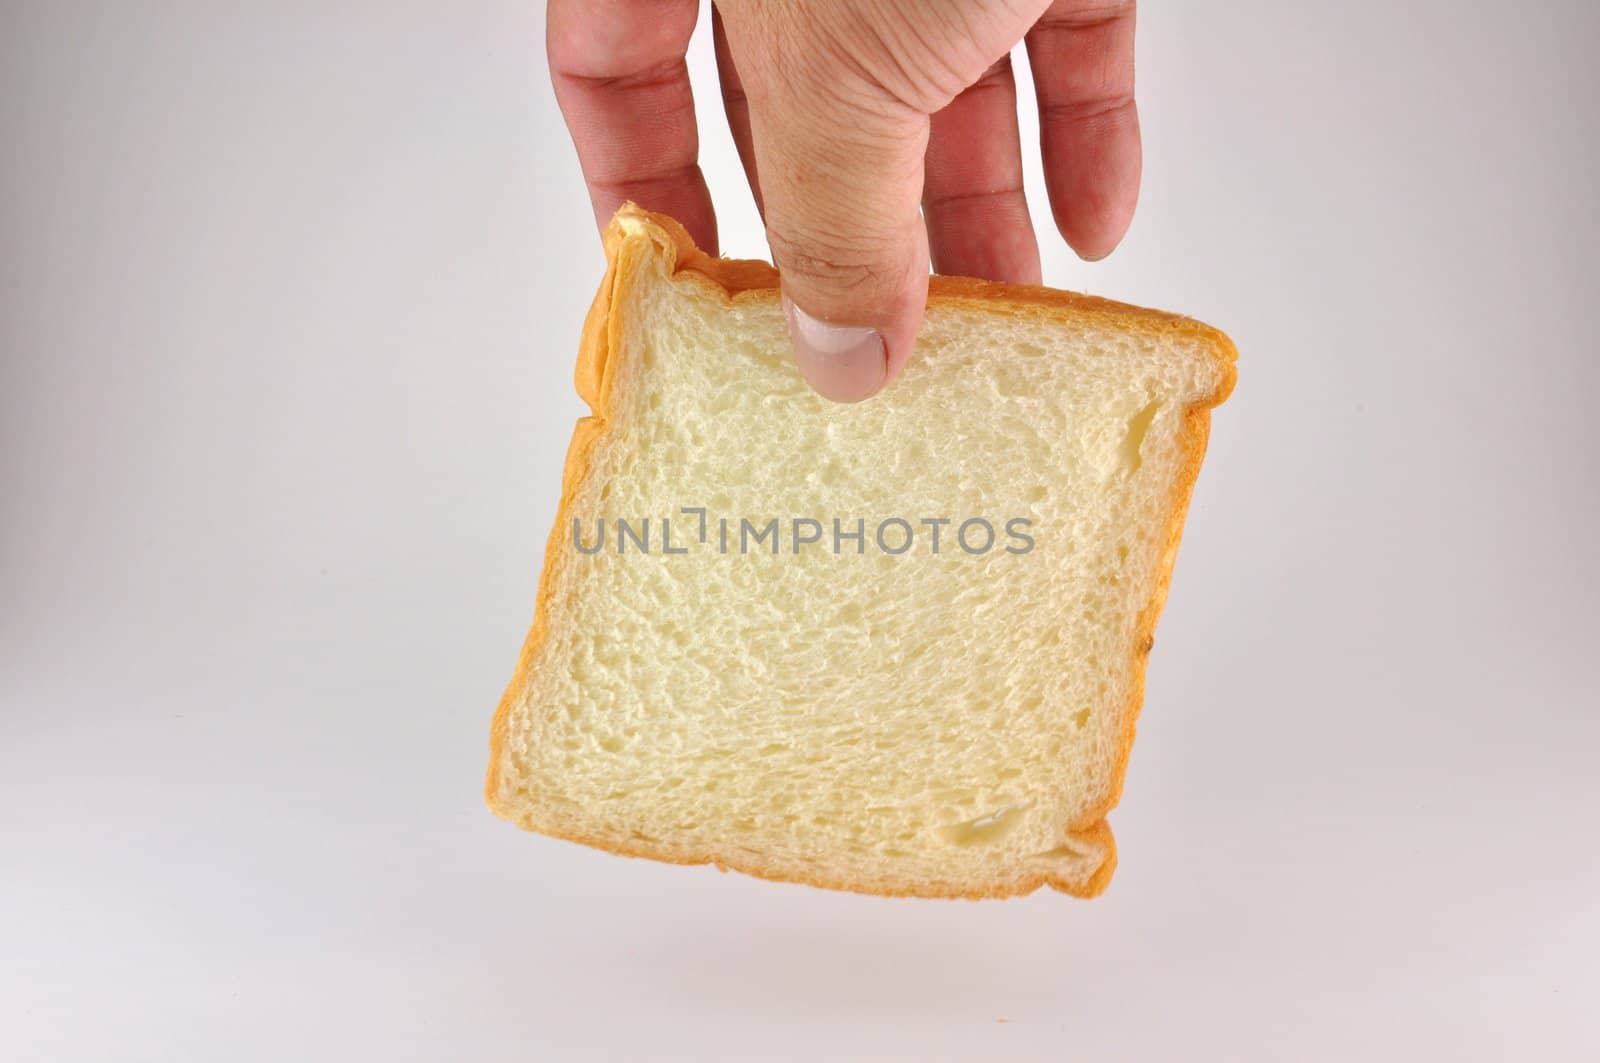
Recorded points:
(1081, 52)
(972, 198)
(620, 78)
(841, 180)
(736, 105)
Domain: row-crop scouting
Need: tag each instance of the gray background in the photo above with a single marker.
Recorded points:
(289, 298)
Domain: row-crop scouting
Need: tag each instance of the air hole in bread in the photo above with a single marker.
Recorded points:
(1133, 441)
(984, 829)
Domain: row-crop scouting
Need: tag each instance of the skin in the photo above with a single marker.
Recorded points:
(878, 136)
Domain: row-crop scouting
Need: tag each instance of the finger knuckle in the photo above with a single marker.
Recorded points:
(854, 268)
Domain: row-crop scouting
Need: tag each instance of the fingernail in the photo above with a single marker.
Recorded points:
(840, 362)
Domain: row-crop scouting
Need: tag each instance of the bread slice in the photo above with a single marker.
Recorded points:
(910, 722)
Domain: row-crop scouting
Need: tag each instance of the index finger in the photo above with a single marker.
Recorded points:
(623, 87)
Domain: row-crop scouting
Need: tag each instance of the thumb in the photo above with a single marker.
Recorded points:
(841, 180)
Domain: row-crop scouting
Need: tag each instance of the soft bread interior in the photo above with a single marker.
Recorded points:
(950, 724)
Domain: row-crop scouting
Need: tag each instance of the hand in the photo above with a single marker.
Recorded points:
(849, 116)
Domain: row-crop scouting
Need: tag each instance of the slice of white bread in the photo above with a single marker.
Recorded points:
(950, 724)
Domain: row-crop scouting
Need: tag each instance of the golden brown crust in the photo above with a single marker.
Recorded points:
(742, 280)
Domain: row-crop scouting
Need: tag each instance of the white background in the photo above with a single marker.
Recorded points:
(289, 299)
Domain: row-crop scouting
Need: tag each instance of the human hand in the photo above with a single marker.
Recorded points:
(873, 134)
